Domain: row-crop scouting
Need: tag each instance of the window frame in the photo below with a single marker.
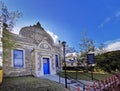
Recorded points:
(23, 59)
(56, 60)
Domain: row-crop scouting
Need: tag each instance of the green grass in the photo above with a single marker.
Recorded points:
(29, 84)
(36, 84)
(86, 76)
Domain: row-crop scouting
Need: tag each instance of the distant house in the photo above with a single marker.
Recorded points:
(71, 59)
(35, 54)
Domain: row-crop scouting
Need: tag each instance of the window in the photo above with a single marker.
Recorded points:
(18, 58)
(72, 64)
(56, 58)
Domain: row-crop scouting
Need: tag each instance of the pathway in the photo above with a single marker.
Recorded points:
(71, 83)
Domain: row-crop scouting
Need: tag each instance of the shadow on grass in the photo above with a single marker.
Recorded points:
(29, 84)
(86, 76)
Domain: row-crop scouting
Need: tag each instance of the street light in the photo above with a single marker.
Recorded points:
(64, 44)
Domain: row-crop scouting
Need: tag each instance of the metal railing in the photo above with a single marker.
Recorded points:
(93, 78)
(79, 82)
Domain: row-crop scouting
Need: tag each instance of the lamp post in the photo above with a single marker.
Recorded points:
(64, 44)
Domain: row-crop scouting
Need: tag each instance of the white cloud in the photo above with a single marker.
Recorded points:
(16, 30)
(108, 19)
(113, 46)
(54, 36)
(115, 16)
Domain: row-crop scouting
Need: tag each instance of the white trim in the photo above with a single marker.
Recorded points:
(41, 72)
(44, 41)
(50, 64)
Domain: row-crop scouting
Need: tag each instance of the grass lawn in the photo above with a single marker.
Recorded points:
(29, 84)
(86, 76)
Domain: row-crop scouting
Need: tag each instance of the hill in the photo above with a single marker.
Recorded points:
(109, 61)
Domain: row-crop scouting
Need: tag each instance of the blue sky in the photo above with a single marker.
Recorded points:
(69, 18)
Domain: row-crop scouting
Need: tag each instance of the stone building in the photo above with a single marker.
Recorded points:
(35, 54)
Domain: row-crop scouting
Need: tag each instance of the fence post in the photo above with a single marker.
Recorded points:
(78, 88)
(94, 86)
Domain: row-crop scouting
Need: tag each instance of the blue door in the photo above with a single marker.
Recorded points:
(46, 67)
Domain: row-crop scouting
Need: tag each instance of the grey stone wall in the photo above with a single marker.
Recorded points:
(10, 70)
(29, 39)
(36, 34)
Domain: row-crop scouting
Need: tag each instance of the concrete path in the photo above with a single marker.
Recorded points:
(71, 83)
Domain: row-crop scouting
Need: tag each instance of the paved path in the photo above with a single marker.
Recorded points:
(71, 83)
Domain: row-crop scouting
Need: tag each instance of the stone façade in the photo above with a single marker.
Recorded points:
(36, 44)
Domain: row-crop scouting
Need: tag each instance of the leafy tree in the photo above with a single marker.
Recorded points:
(109, 61)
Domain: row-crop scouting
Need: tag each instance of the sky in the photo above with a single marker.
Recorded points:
(65, 20)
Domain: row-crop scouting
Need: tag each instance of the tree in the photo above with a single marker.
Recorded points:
(70, 49)
(7, 21)
(80, 60)
(109, 61)
(101, 48)
(7, 17)
(86, 46)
